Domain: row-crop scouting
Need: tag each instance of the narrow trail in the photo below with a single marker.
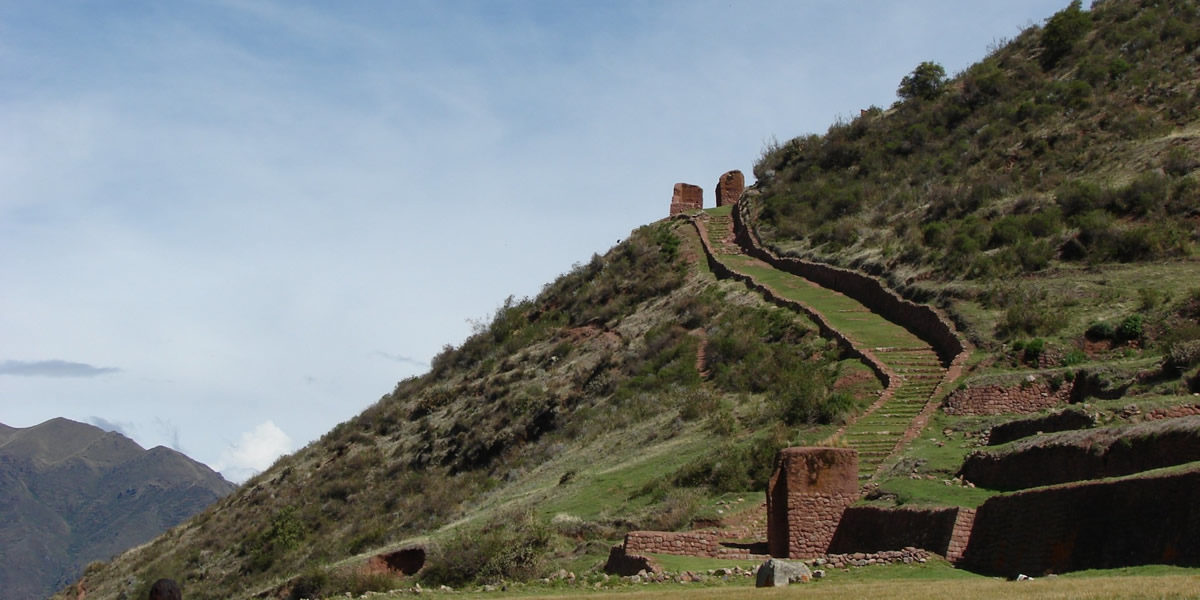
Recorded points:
(909, 366)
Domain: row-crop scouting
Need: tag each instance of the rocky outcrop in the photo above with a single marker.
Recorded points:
(625, 564)
(730, 187)
(686, 198)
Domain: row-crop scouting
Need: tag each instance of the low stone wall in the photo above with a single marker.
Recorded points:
(1084, 455)
(1006, 399)
(863, 559)
(920, 319)
(872, 529)
(687, 543)
(809, 490)
(1173, 412)
(1098, 525)
(1066, 420)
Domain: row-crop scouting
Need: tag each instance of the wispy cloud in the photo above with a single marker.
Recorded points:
(404, 360)
(125, 429)
(53, 368)
(170, 432)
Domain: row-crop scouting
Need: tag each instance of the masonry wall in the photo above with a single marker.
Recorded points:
(688, 543)
(686, 198)
(1062, 421)
(872, 529)
(1002, 399)
(806, 496)
(1099, 525)
(922, 320)
(730, 187)
(1086, 458)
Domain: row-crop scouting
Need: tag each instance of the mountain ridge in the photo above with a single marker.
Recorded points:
(84, 494)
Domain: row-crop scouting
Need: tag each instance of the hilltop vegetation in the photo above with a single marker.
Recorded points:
(1075, 143)
(1045, 198)
(1029, 193)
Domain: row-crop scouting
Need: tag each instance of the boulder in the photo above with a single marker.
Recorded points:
(779, 573)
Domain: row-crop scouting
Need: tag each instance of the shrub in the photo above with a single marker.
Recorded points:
(1179, 161)
(735, 467)
(1182, 355)
(318, 583)
(1144, 194)
(1078, 196)
(1101, 330)
(511, 545)
(1130, 328)
(935, 234)
(1074, 357)
(925, 82)
(1030, 320)
(1061, 32)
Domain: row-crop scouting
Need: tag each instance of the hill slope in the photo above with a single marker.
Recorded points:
(642, 391)
(592, 404)
(80, 494)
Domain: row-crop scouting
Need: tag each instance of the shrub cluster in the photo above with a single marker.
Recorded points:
(1023, 123)
(511, 546)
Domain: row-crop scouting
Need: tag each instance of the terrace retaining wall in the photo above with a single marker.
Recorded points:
(1094, 525)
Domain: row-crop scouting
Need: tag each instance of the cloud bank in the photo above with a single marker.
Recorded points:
(254, 452)
(53, 368)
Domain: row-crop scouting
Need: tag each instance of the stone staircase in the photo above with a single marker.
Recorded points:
(910, 365)
(877, 434)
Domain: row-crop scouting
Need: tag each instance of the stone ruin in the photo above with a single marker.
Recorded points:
(730, 187)
(807, 494)
(686, 198)
(1101, 523)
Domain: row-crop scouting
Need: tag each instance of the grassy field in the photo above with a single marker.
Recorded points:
(900, 582)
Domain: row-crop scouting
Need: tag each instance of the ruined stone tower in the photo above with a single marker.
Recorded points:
(687, 197)
(806, 496)
(730, 187)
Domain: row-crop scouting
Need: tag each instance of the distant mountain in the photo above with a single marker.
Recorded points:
(72, 493)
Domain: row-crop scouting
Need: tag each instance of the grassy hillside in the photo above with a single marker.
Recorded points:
(1045, 198)
(566, 421)
(1047, 192)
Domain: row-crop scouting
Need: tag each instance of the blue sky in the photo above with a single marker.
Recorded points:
(227, 226)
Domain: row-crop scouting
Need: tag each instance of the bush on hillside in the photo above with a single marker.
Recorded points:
(1061, 33)
(925, 82)
(509, 546)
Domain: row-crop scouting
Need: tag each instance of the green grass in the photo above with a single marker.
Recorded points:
(842, 312)
(677, 564)
(925, 492)
(933, 580)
